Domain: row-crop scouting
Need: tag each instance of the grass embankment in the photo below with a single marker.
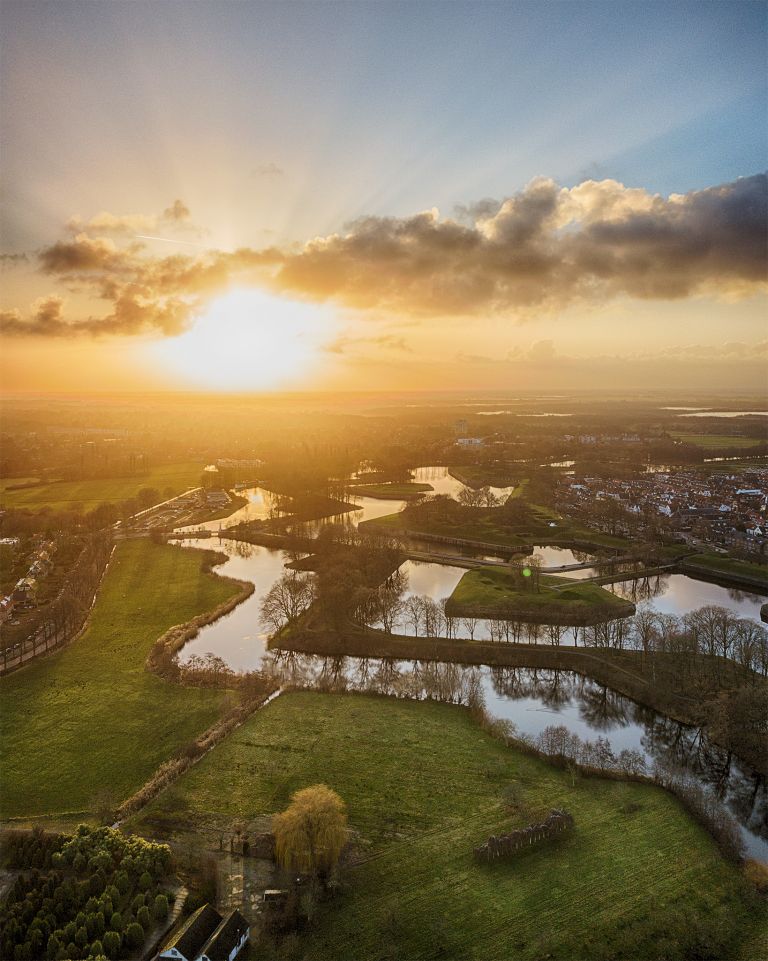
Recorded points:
(476, 476)
(492, 592)
(90, 719)
(728, 568)
(486, 525)
(424, 784)
(715, 440)
(65, 495)
(391, 491)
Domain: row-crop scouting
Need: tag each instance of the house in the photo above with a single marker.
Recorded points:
(470, 442)
(227, 940)
(207, 936)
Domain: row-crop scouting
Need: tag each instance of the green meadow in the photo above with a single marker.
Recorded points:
(424, 784)
(89, 720)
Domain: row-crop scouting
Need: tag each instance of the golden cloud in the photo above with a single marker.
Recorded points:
(541, 249)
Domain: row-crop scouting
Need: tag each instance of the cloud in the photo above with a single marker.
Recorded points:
(545, 247)
(544, 352)
(344, 344)
(9, 261)
(176, 218)
(267, 170)
(542, 249)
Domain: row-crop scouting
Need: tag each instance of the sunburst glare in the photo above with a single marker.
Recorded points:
(248, 340)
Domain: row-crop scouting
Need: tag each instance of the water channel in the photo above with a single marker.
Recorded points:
(530, 699)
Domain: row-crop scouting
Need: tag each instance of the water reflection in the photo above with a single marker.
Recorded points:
(677, 594)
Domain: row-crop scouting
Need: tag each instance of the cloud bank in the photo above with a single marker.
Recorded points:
(542, 249)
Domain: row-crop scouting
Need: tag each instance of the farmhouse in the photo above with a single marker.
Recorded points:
(208, 937)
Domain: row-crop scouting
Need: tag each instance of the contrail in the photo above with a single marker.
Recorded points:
(170, 240)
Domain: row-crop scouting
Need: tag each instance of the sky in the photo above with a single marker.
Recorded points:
(338, 195)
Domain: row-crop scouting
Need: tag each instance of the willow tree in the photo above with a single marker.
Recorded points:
(311, 832)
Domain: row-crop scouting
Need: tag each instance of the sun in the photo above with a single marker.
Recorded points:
(248, 340)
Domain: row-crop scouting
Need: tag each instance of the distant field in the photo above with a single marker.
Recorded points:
(90, 718)
(476, 477)
(395, 491)
(64, 495)
(423, 784)
(715, 440)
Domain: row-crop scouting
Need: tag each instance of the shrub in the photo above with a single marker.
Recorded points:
(116, 921)
(145, 881)
(134, 935)
(97, 949)
(81, 937)
(112, 944)
(161, 907)
(144, 918)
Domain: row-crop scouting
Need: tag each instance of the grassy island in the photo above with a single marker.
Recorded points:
(489, 526)
(495, 592)
(728, 568)
(423, 784)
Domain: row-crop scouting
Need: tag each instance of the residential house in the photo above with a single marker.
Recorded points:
(207, 936)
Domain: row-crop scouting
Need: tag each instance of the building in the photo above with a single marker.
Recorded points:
(470, 442)
(207, 936)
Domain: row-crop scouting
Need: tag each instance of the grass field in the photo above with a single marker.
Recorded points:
(715, 440)
(488, 589)
(394, 491)
(476, 476)
(729, 565)
(65, 495)
(424, 784)
(90, 719)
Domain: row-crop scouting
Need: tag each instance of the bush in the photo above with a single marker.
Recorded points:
(134, 935)
(144, 918)
(161, 907)
(112, 944)
(145, 881)
(97, 949)
(116, 921)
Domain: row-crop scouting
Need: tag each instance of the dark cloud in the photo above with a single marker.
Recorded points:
(545, 247)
